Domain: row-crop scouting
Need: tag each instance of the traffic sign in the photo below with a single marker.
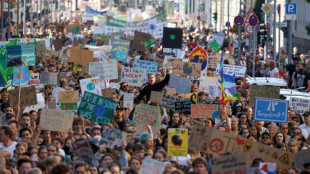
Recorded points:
(239, 20)
(290, 11)
(253, 20)
(227, 24)
(248, 17)
(203, 17)
(266, 8)
(249, 29)
(282, 24)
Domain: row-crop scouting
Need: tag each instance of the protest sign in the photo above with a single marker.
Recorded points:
(114, 85)
(35, 79)
(199, 55)
(146, 114)
(116, 35)
(171, 91)
(28, 96)
(113, 139)
(204, 111)
(168, 101)
(270, 110)
(48, 78)
(84, 151)
(2, 159)
(68, 96)
(138, 39)
(21, 76)
(69, 106)
(177, 142)
(58, 44)
(26, 52)
(91, 85)
(185, 69)
(152, 166)
(134, 76)
(300, 104)
(107, 93)
(120, 49)
(267, 168)
(56, 120)
(263, 92)
(213, 60)
(96, 108)
(199, 138)
(182, 85)
(219, 38)
(156, 97)
(106, 70)
(52, 105)
(239, 71)
(40, 47)
(229, 164)
(148, 43)
(41, 104)
(300, 158)
(183, 107)
(192, 97)
(150, 66)
(81, 56)
(211, 86)
(128, 100)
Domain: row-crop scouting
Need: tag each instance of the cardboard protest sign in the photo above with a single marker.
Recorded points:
(28, 96)
(40, 47)
(138, 38)
(169, 100)
(56, 120)
(107, 93)
(182, 85)
(2, 158)
(204, 111)
(52, 105)
(84, 151)
(156, 97)
(213, 60)
(49, 78)
(177, 142)
(229, 164)
(185, 69)
(183, 107)
(199, 138)
(96, 108)
(271, 110)
(81, 56)
(299, 104)
(146, 114)
(150, 66)
(91, 85)
(113, 138)
(35, 79)
(68, 96)
(120, 49)
(106, 70)
(263, 92)
(41, 104)
(171, 91)
(134, 76)
(300, 158)
(58, 44)
(128, 100)
(152, 166)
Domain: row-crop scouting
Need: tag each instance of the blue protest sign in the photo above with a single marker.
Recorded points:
(150, 66)
(271, 110)
(182, 85)
(25, 76)
(120, 49)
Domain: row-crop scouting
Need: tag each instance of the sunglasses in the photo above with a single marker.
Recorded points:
(265, 138)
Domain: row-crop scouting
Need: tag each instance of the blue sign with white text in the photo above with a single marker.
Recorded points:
(271, 110)
(291, 8)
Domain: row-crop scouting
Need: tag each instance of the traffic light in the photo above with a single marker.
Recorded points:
(215, 17)
(284, 29)
(263, 32)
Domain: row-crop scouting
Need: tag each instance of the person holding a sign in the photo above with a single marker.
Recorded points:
(152, 86)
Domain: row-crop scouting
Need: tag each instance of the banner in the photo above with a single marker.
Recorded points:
(113, 139)
(113, 25)
(25, 76)
(34, 79)
(211, 85)
(156, 97)
(150, 66)
(199, 55)
(134, 76)
(56, 120)
(177, 142)
(263, 92)
(68, 96)
(146, 114)
(213, 60)
(199, 138)
(90, 10)
(96, 108)
(183, 107)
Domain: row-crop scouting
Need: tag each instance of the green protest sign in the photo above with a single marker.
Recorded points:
(148, 43)
(215, 46)
(96, 108)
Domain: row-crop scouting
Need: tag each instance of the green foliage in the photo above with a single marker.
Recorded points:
(257, 10)
(308, 29)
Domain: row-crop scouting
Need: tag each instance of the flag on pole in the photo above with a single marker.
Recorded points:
(3, 59)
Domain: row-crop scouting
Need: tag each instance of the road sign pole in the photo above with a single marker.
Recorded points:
(274, 29)
(289, 39)
(253, 64)
(239, 44)
(279, 41)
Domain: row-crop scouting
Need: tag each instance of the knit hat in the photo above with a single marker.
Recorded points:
(144, 136)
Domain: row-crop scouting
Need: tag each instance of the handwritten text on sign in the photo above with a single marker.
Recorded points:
(239, 71)
(299, 104)
(150, 66)
(56, 120)
(134, 76)
(203, 110)
(28, 97)
(146, 114)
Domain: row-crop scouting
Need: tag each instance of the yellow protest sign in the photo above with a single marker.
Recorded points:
(177, 142)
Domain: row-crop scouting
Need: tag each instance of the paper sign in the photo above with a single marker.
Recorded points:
(183, 107)
(239, 71)
(150, 66)
(229, 164)
(168, 101)
(120, 49)
(211, 86)
(81, 56)
(185, 69)
(40, 47)
(49, 78)
(146, 114)
(213, 60)
(91, 85)
(182, 85)
(300, 158)
(204, 111)
(152, 166)
(177, 142)
(35, 79)
(199, 138)
(134, 76)
(28, 96)
(263, 92)
(107, 93)
(106, 70)
(68, 96)
(299, 104)
(56, 120)
(96, 108)
(270, 110)
(128, 100)
(116, 35)
(23, 73)
(113, 138)
(156, 97)
(85, 153)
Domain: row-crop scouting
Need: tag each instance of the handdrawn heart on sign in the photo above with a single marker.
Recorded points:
(240, 141)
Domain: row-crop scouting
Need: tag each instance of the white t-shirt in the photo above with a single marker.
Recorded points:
(305, 130)
(273, 72)
(10, 149)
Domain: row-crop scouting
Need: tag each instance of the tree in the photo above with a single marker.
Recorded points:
(257, 10)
